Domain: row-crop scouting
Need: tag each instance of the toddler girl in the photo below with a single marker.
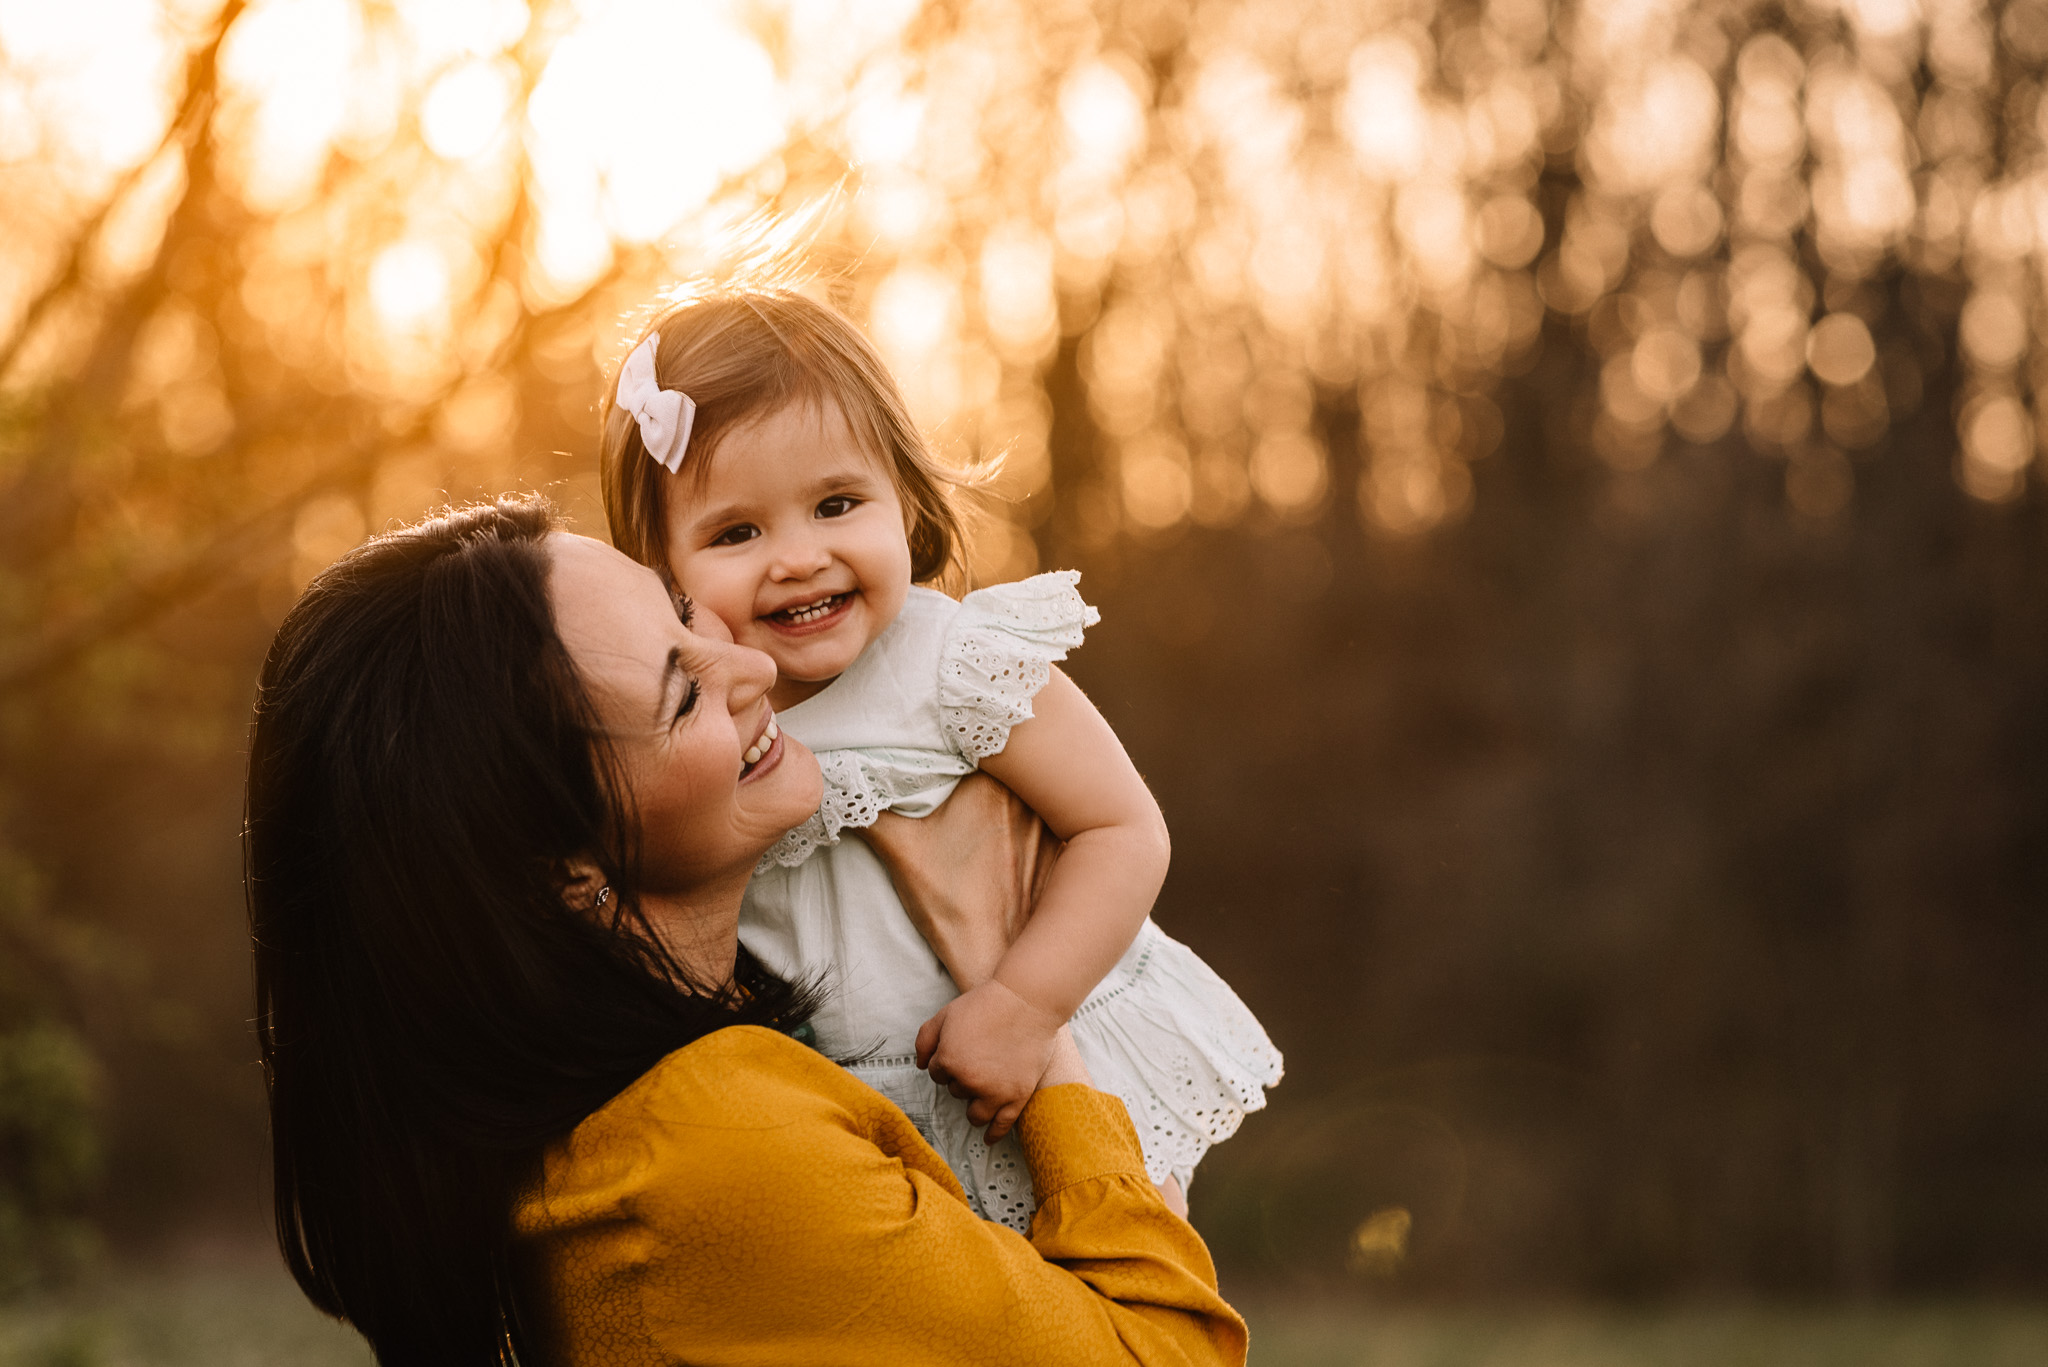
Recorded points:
(757, 450)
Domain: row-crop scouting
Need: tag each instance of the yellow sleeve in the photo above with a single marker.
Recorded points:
(807, 1222)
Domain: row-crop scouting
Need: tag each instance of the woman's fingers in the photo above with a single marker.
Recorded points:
(928, 1043)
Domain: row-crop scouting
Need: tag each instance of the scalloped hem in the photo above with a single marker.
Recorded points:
(1185, 1053)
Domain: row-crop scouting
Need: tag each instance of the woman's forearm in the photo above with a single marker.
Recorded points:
(1101, 1221)
(774, 1209)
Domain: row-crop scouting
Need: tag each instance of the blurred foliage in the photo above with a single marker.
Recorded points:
(49, 1155)
(1562, 478)
(49, 1085)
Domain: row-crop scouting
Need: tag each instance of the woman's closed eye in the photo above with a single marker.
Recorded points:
(839, 505)
(689, 702)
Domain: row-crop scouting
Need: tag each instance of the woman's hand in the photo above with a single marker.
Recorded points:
(969, 873)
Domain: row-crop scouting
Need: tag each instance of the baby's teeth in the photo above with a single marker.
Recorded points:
(812, 612)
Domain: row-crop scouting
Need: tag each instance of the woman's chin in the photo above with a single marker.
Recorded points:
(786, 784)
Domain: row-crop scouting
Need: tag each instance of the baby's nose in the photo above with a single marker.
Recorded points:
(797, 557)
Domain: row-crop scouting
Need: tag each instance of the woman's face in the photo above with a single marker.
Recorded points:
(684, 710)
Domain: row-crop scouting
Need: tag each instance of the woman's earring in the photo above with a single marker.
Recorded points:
(604, 894)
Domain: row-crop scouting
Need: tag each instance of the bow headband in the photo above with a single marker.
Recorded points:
(664, 415)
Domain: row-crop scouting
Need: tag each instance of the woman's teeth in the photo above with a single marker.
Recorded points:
(762, 746)
(810, 612)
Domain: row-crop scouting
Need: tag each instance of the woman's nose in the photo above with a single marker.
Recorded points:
(752, 673)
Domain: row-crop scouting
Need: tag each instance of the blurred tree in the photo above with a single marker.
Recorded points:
(1564, 478)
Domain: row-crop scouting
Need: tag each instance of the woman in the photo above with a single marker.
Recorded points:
(527, 1095)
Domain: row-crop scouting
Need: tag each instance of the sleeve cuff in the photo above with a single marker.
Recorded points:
(1072, 1134)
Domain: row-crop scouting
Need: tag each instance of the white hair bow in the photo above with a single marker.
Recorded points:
(664, 415)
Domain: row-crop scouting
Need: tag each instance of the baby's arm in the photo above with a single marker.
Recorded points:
(992, 1042)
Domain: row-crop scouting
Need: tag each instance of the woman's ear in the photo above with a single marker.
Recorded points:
(583, 885)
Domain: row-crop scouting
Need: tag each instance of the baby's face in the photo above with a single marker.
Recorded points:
(795, 539)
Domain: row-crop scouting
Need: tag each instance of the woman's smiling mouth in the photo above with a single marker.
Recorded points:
(764, 747)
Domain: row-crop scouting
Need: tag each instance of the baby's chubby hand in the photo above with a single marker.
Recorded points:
(989, 1047)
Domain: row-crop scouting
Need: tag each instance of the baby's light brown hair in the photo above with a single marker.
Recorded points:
(742, 353)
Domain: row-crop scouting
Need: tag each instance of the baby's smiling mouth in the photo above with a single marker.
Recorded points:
(803, 614)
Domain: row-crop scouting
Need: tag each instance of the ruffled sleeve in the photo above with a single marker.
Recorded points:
(859, 786)
(1000, 651)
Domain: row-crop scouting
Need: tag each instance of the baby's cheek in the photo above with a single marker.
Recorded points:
(718, 594)
(706, 622)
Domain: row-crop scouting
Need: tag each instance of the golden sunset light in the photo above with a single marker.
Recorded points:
(1565, 483)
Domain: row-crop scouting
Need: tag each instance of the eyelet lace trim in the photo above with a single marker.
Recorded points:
(1185, 1054)
(856, 794)
(1000, 652)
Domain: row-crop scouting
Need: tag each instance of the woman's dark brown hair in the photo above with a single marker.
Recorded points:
(741, 353)
(431, 1012)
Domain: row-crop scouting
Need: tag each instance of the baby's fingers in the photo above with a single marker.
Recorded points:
(1006, 1120)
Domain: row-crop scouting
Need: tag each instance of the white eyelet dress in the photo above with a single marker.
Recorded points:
(936, 692)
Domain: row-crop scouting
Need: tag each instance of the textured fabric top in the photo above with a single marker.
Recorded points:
(748, 1201)
(930, 698)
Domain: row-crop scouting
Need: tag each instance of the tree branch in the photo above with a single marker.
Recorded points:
(201, 80)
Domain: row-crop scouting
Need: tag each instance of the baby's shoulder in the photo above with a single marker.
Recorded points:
(919, 631)
(1045, 609)
(922, 605)
(902, 660)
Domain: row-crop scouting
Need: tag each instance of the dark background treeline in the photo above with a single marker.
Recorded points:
(1644, 884)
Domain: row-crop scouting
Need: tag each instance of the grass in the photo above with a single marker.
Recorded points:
(248, 1314)
(212, 1314)
(1957, 1335)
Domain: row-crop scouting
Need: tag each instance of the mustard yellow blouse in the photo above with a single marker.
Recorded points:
(748, 1201)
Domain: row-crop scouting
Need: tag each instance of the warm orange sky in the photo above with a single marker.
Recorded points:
(1322, 194)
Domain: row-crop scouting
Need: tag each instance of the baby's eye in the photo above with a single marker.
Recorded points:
(735, 536)
(685, 609)
(839, 505)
